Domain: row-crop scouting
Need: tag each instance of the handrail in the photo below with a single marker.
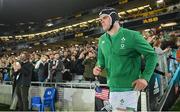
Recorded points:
(69, 84)
(163, 100)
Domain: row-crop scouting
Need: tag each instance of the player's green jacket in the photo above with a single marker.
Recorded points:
(120, 56)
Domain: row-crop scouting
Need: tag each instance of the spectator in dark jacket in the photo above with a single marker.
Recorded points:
(66, 61)
(42, 69)
(58, 68)
(79, 67)
(23, 72)
(89, 63)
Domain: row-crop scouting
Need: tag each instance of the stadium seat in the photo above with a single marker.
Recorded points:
(36, 102)
(49, 99)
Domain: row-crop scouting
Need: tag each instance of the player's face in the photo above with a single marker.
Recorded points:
(105, 22)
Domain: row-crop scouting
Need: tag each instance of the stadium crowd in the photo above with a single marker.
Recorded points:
(77, 61)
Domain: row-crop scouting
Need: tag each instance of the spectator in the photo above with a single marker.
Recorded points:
(23, 72)
(58, 68)
(89, 63)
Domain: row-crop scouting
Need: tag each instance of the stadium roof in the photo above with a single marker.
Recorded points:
(23, 11)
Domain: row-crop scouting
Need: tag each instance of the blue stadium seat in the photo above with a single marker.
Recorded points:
(36, 102)
(49, 99)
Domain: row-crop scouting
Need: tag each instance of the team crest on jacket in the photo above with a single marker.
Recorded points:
(122, 43)
(123, 40)
(122, 46)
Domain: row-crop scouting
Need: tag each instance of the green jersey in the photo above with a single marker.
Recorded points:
(120, 54)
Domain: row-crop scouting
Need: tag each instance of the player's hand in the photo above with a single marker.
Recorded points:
(97, 71)
(140, 84)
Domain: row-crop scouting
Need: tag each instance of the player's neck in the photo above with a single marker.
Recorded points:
(114, 29)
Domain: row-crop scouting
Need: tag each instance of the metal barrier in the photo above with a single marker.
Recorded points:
(68, 94)
(172, 82)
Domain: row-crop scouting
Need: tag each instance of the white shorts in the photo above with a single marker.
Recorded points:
(124, 100)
